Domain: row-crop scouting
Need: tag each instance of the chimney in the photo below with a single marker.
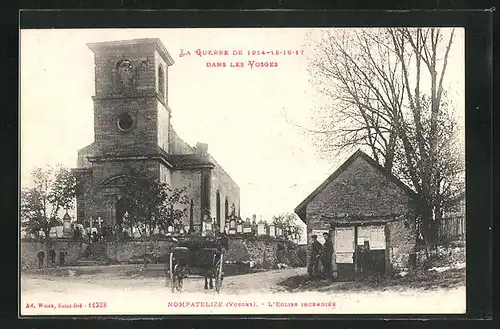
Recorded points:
(201, 148)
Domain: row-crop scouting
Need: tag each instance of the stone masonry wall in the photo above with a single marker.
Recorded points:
(360, 189)
(191, 180)
(227, 188)
(30, 249)
(177, 145)
(262, 252)
(100, 201)
(142, 138)
(124, 252)
(450, 254)
(402, 240)
(163, 127)
(142, 57)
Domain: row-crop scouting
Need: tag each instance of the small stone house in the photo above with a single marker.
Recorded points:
(362, 206)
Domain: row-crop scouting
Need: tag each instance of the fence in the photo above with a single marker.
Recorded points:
(452, 228)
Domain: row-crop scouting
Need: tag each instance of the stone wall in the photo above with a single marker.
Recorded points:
(163, 127)
(141, 139)
(452, 253)
(264, 252)
(228, 189)
(30, 249)
(260, 252)
(178, 145)
(191, 181)
(131, 251)
(100, 201)
(359, 189)
(106, 61)
(402, 240)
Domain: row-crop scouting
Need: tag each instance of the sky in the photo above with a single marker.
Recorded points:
(242, 113)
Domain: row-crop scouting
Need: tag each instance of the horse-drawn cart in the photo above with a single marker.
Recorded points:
(197, 256)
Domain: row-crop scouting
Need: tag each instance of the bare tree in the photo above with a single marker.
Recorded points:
(385, 91)
(289, 222)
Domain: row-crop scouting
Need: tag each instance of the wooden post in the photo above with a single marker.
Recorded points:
(355, 255)
(387, 250)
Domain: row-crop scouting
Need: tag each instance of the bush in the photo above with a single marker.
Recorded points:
(125, 236)
(302, 254)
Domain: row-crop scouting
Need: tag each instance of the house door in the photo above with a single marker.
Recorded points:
(344, 252)
(370, 250)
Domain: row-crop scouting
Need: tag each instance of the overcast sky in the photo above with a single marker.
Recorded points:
(241, 113)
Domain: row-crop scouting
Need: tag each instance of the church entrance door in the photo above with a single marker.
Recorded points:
(123, 215)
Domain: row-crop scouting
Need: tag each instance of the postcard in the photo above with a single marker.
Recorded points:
(222, 171)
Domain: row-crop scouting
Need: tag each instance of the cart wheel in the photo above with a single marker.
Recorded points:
(218, 278)
(171, 268)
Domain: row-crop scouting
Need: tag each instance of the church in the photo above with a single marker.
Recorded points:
(132, 131)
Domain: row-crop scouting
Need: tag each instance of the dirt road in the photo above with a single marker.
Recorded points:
(257, 293)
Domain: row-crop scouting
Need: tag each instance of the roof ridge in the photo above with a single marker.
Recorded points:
(345, 165)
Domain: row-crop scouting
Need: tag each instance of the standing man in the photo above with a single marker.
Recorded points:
(41, 257)
(52, 256)
(363, 257)
(327, 256)
(222, 241)
(314, 256)
(62, 257)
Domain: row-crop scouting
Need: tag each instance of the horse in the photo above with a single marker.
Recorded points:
(222, 244)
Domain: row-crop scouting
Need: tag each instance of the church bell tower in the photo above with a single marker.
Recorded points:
(131, 113)
(131, 124)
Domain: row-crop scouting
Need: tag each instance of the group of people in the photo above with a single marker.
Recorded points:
(51, 257)
(321, 254)
(94, 235)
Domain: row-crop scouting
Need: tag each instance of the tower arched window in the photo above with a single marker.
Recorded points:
(217, 208)
(125, 73)
(226, 209)
(191, 213)
(161, 82)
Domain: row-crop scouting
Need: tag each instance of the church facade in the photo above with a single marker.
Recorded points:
(132, 131)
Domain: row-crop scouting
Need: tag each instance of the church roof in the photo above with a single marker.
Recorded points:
(188, 161)
(300, 209)
(97, 46)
